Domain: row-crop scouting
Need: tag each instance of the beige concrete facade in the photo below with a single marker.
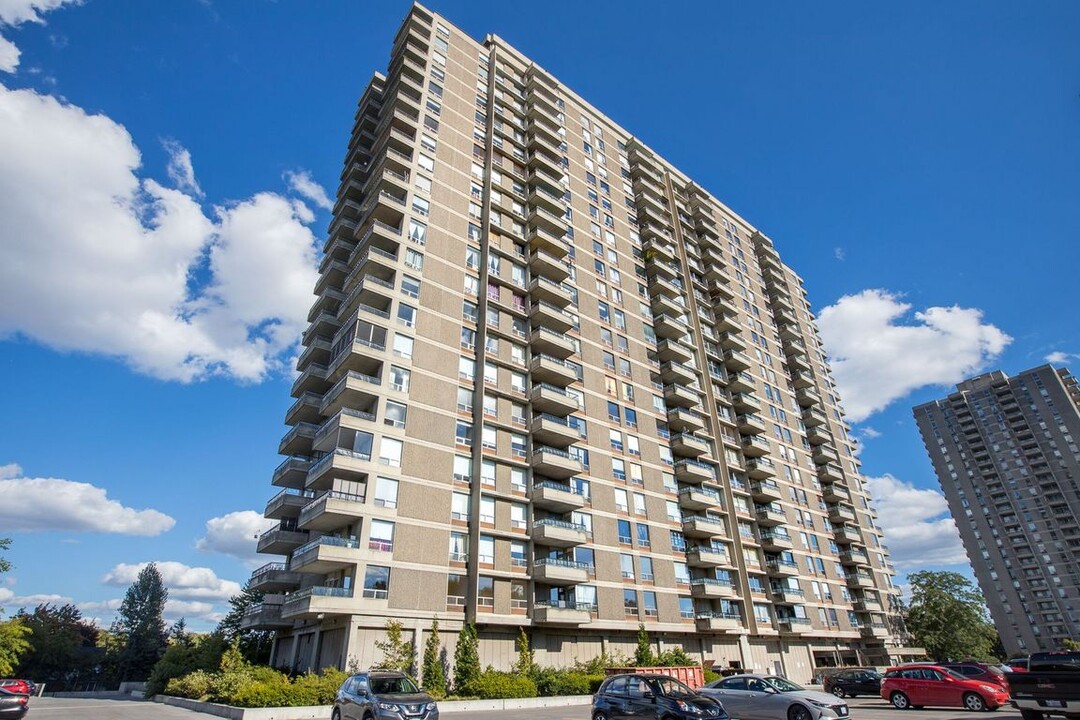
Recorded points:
(1005, 453)
(550, 382)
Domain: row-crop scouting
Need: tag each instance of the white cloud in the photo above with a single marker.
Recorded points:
(302, 184)
(71, 199)
(13, 602)
(234, 534)
(1060, 358)
(918, 529)
(869, 433)
(16, 12)
(877, 360)
(40, 504)
(183, 581)
(839, 253)
(180, 169)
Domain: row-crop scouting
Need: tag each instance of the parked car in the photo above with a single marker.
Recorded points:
(382, 694)
(648, 696)
(12, 704)
(769, 697)
(979, 671)
(1018, 664)
(852, 683)
(915, 686)
(19, 687)
(1051, 686)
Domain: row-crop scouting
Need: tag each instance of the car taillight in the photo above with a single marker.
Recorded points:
(23, 699)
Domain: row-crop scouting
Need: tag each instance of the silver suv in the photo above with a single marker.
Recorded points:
(383, 695)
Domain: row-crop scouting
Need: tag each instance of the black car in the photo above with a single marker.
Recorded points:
(979, 671)
(12, 705)
(852, 683)
(622, 697)
(385, 695)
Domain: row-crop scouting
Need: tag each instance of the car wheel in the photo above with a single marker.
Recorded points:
(900, 701)
(336, 715)
(974, 702)
(799, 712)
(838, 691)
(599, 716)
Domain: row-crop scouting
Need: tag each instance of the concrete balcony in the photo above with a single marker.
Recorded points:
(287, 503)
(552, 571)
(732, 341)
(854, 558)
(798, 362)
(823, 454)
(274, 577)
(839, 513)
(830, 473)
(708, 557)
(788, 595)
(725, 321)
(750, 424)
(755, 446)
(341, 464)
(277, 541)
(818, 435)
(552, 399)
(814, 417)
(846, 534)
(672, 350)
(305, 409)
(558, 533)
(766, 491)
(318, 601)
(781, 568)
(746, 403)
(675, 373)
(291, 472)
(542, 217)
(670, 326)
(770, 515)
(553, 430)
(681, 395)
(795, 626)
(550, 316)
(807, 396)
(737, 361)
(773, 541)
(265, 615)
(835, 493)
(860, 580)
(553, 343)
(297, 440)
(554, 463)
(712, 589)
(326, 554)
(662, 284)
(550, 369)
(877, 631)
(719, 623)
(692, 471)
(866, 605)
(699, 498)
(563, 614)
(703, 526)
(542, 197)
(667, 305)
(687, 445)
(546, 265)
(556, 497)
(790, 331)
(330, 510)
(760, 468)
(741, 383)
(683, 420)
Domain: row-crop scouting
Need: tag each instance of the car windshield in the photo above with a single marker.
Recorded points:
(953, 674)
(392, 686)
(783, 685)
(671, 687)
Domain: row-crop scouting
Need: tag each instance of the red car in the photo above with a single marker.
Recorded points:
(915, 686)
(19, 687)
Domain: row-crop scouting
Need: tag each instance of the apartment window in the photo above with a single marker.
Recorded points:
(472, 285)
(459, 506)
(395, 414)
(486, 550)
(618, 469)
(403, 345)
(489, 437)
(485, 592)
(639, 504)
(518, 554)
(459, 547)
(462, 468)
(632, 445)
(417, 232)
(646, 569)
(414, 259)
(390, 452)
(625, 538)
(406, 315)
(643, 535)
(463, 433)
(613, 412)
(382, 536)
(517, 445)
(399, 378)
(678, 541)
(491, 406)
(376, 582)
(517, 480)
(686, 608)
(420, 206)
(468, 338)
(362, 443)
(604, 310)
(386, 491)
(648, 598)
(518, 513)
(626, 565)
(622, 502)
(410, 286)
(615, 439)
(466, 368)
(630, 604)
(631, 414)
(487, 473)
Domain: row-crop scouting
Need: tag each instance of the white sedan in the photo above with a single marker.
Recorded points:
(769, 697)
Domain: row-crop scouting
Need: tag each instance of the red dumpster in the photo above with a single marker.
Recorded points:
(689, 674)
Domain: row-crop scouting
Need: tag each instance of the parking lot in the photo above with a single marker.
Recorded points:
(56, 708)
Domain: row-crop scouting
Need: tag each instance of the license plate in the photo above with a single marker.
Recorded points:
(1054, 703)
(842, 711)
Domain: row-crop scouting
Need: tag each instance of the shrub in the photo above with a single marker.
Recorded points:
(553, 681)
(492, 684)
(194, 686)
(312, 689)
(674, 657)
(709, 675)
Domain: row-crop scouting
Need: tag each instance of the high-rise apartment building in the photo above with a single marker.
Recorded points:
(550, 382)
(1005, 452)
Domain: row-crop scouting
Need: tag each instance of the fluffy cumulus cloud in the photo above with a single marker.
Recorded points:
(880, 354)
(302, 184)
(54, 504)
(183, 581)
(1061, 358)
(95, 258)
(16, 12)
(919, 530)
(234, 534)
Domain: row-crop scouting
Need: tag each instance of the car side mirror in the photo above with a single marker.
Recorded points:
(648, 695)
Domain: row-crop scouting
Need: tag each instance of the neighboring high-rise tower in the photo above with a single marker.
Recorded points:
(551, 382)
(1005, 452)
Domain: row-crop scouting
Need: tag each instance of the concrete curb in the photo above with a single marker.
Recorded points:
(321, 712)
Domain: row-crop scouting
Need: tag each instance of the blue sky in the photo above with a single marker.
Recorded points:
(162, 169)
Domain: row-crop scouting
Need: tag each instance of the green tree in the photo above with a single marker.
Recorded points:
(13, 645)
(5, 565)
(466, 658)
(948, 618)
(63, 646)
(526, 660)
(398, 653)
(433, 675)
(1069, 644)
(254, 645)
(643, 655)
(140, 620)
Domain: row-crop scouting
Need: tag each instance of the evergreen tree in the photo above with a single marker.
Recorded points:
(63, 646)
(466, 658)
(643, 655)
(526, 661)
(140, 620)
(433, 675)
(398, 653)
(254, 645)
(948, 618)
